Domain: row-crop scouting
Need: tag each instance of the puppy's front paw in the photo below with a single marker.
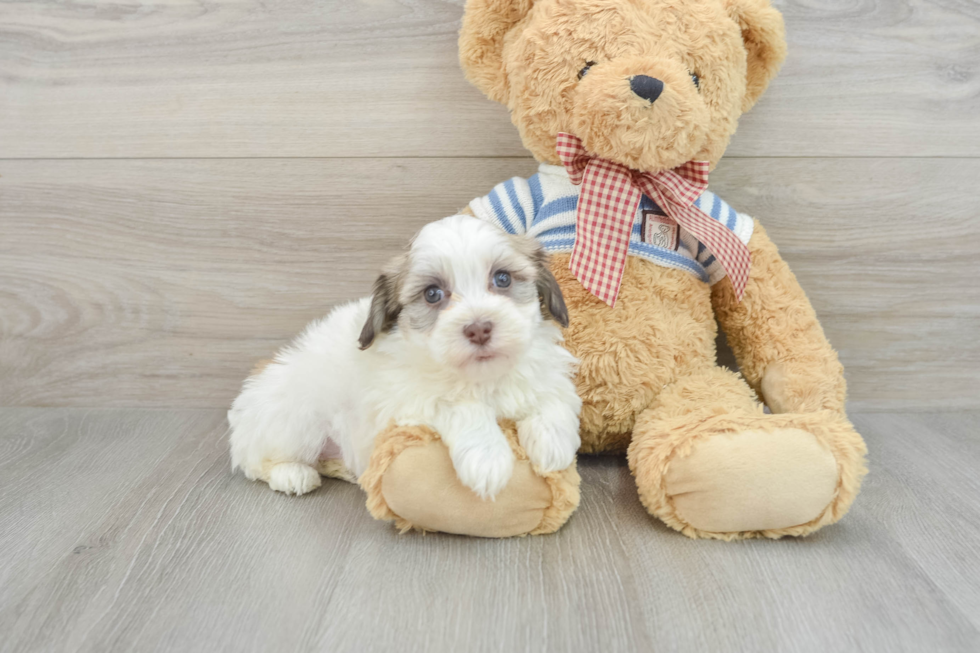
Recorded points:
(550, 445)
(484, 467)
(294, 478)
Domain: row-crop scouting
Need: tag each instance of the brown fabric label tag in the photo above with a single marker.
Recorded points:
(659, 229)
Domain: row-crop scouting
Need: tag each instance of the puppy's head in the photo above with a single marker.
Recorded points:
(468, 294)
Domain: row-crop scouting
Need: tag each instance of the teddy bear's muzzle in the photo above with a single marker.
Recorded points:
(643, 112)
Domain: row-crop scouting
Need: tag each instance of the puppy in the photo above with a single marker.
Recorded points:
(460, 331)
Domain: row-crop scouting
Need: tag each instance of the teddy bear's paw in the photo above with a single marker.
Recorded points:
(484, 466)
(293, 478)
(753, 480)
(550, 446)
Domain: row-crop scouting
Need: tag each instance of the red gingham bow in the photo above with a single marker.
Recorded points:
(607, 205)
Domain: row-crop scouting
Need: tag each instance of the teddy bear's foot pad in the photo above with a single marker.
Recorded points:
(411, 481)
(437, 501)
(753, 481)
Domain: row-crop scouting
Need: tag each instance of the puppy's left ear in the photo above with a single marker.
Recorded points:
(384, 303)
(552, 301)
(551, 297)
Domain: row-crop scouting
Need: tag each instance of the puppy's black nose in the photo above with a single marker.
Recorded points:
(648, 88)
(479, 332)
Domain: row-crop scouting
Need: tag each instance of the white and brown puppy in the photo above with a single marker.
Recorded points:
(460, 331)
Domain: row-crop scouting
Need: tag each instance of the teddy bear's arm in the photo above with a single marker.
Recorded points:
(774, 332)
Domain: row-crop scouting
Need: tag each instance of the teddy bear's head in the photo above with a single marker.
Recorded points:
(650, 84)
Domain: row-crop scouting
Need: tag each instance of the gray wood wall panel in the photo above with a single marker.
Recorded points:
(159, 282)
(245, 78)
(155, 279)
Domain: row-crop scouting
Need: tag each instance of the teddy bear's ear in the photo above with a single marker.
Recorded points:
(481, 42)
(765, 42)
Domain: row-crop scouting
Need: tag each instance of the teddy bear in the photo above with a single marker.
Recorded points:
(627, 106)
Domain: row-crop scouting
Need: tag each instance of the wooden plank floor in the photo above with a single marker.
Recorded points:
(124, 530)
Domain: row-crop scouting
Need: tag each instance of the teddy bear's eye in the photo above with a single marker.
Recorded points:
(582, 73)
(696, 80)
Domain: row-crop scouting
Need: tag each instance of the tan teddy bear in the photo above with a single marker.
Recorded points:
(627, 105)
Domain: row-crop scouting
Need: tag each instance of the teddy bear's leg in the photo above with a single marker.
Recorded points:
(710, 463)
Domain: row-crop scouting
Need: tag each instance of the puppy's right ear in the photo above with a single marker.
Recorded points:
(384, 304)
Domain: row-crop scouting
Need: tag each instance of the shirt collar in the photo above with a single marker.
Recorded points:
(553, 171)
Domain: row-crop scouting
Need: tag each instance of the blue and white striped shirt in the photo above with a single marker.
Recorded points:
(544, 207)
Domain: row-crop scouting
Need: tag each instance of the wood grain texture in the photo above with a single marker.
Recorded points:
(149, 283)
(159, 283)
(250, 78)
(125, 530)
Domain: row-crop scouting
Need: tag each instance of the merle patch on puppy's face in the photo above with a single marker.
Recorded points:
(469, 294)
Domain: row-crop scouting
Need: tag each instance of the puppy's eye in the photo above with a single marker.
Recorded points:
(696, 80)
(582, 73)
(434, 294)
(501, 279)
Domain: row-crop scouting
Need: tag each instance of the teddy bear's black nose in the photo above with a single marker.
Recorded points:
(648, 88)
